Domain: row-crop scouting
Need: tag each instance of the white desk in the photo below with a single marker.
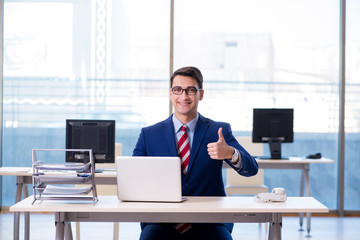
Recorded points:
(23, 177)
(194, 209)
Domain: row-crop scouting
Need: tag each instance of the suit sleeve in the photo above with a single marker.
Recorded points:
(140, 147)
(249, 164)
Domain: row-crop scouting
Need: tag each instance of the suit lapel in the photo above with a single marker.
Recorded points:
(169, 136)
(200, 130)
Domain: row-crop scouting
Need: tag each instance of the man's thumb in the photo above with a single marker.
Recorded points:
(221, 137)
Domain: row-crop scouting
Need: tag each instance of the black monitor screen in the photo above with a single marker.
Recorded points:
(98, 135)
(273, 125)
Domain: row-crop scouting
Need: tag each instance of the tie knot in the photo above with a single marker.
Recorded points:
(183, 128)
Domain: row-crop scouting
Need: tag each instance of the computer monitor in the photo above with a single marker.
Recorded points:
(274, 126)
(98, 135)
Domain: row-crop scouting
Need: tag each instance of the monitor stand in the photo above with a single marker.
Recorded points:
(270, 158)
(275, 148)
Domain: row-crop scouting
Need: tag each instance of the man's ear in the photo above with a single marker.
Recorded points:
(201, 94)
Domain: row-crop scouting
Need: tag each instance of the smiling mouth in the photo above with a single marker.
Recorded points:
(183, 103)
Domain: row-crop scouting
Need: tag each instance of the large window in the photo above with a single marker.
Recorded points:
(110, 60)
(81, 59)
(269, 54)
(352, 109)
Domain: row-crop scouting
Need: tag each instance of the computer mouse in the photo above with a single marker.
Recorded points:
(314, 156)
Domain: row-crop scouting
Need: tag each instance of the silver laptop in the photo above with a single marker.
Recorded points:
(155, 179)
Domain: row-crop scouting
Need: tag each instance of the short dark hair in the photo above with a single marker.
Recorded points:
(189, 72)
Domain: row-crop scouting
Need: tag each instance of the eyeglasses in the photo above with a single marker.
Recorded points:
(189, 91)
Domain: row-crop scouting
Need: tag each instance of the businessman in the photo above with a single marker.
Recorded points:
(203, 145)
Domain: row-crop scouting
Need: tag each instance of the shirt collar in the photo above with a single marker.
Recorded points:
(191, 125)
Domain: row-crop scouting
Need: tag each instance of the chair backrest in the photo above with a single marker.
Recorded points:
(255, 149)
(109, 190)
(118, 150)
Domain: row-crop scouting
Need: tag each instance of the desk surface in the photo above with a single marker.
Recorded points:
(26, 171)
(15, 171)
(295, 160)
(191, 205)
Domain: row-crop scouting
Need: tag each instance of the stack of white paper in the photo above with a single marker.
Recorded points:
(57, 190)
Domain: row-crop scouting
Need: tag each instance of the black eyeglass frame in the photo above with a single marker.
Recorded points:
(186, 90)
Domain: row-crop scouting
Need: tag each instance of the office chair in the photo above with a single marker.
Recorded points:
(239, 185)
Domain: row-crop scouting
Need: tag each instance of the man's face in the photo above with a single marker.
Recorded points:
(185, 105)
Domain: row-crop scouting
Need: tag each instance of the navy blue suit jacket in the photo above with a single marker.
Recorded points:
(204, 176)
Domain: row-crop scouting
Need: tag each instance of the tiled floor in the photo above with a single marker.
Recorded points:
(323, 228)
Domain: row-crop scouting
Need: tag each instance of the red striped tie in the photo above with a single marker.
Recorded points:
(184, 154)
(182, 227)
(184, 150)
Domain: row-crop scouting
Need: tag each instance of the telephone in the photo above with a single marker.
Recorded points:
(276, 195)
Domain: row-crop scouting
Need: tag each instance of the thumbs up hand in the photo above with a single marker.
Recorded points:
(220, 150)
